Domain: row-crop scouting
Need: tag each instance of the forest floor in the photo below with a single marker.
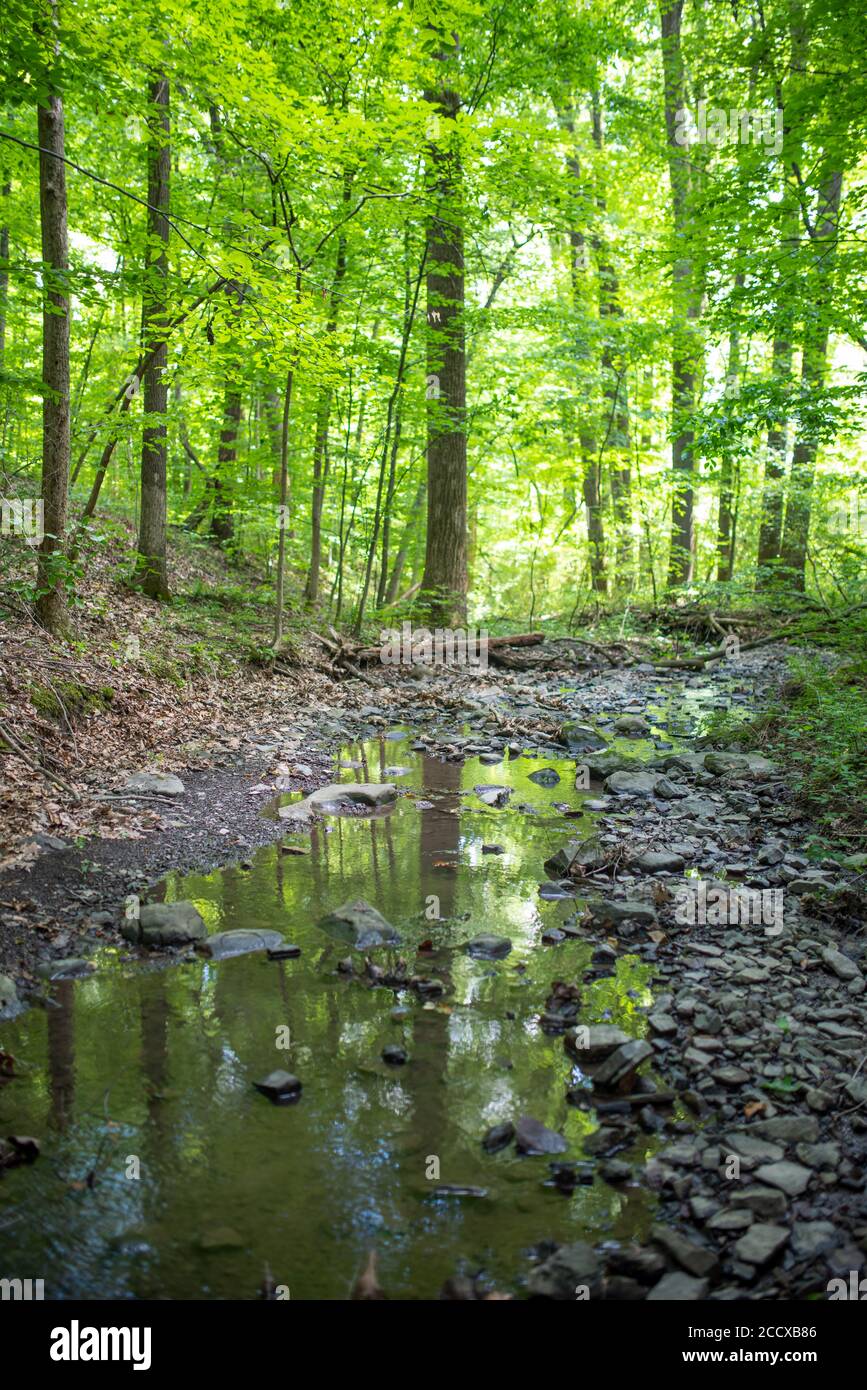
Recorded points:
(757, 1024)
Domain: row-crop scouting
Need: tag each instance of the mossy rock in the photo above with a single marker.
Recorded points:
(69, 699)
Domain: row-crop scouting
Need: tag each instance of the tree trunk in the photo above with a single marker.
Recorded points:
(771, 531)
(320, 443)
(685, 306)
(591, 472)
(150, 569)
(222, 520)
(616, 439)
(445, 571)
(51, 603)
(800, 497)
(725, 540)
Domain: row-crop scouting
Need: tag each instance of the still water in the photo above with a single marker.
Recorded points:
(156, 1063)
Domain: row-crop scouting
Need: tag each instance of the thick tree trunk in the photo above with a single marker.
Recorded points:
(150, 570)
(50, 603)
(686, 303)
(445, 572)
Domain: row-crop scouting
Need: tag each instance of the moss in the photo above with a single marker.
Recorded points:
(68, 699)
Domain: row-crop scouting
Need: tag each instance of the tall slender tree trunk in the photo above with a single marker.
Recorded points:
(799, 502)
(222, 519)
(150, 570)
(686, 305)
(445, 570)
(320, 443)
(725, 539)
(591, 470)
(4, 271)
(50, 603)
(771, 529)
(400, 558)
(616, 439)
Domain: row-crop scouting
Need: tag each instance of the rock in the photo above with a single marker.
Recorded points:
(493, 849)
(841, 966)
(738, 765)
(360, 925)
(51, 843)
(280, 1087)
(637, 1262)
(594, 1044)
(732, 1219)
(819, 1100)
(660, 862)
(750, 1146)
(679, 1288)
(341, 796)
(71, 968)
(498, 1136)
(788, 1129)
(761, 1243)
(614, 910)
(632, 783)
(617, 1072)
(763, 1201)
(662, 1024)
(696, 1259)
(810, 1238)
(576, 858)
(569, 1268)
(791, 1178)
(493, 796)
(161, 783)
(240, 942)
(394, 1055)
(631, 724)
(545, 777)
(532, 1137)
(8, 996)
(166, 924)
(489, 947)
(580, 738)
(601, 765)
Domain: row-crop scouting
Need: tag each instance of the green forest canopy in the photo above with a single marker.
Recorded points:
(525, 302)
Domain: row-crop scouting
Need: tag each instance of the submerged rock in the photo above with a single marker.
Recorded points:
(532, 1137)
(360, 925)
(489, 947)
(71, 968)
(581, 738)
(279, 1086)
(498, 1136)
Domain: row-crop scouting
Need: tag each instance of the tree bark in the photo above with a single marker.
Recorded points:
(150, 574)
(685, 305)
(445, 570)
(800, 496)
(222, 520)
(50, 602)
(771, 530)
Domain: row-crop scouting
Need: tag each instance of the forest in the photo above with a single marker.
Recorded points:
(335, 337)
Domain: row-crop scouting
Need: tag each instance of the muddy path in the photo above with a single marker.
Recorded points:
(617, 1046)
